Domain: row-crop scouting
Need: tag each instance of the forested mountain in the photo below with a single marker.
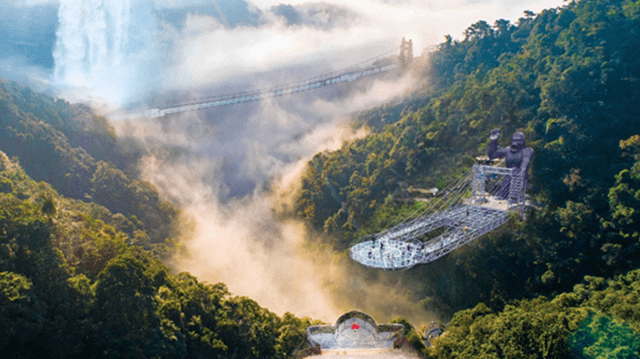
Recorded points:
(79, 155)
(598, 319)
(568, 78)
(72, 285)
(80, 252)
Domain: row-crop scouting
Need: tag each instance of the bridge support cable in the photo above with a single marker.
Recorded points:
(432, 205)
(476, 203)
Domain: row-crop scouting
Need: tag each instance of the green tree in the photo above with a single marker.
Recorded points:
(21, 313)
(599, 336)
(126, 324)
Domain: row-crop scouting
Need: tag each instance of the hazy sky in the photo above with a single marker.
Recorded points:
(185, 43)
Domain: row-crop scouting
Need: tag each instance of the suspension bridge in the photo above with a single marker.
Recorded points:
(383, 63)
(476, 203)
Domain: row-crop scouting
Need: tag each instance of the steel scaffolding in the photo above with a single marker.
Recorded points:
(467, 212)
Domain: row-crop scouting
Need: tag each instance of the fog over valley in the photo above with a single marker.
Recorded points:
(236, 164)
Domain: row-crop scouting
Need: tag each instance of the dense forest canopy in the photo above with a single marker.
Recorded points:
(81, 274)
(78, 153)
(75, 284)
(598, 319)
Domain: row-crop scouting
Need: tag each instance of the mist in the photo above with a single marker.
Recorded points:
(125, 51)
(236, 173)
(235, 170)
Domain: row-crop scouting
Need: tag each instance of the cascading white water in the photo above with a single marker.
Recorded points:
(91, 45)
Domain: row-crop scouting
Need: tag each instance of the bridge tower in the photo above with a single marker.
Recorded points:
(406, 53)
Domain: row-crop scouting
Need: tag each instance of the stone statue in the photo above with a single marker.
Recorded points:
(516, 156)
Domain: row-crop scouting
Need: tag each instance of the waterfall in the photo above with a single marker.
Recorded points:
(91, 45)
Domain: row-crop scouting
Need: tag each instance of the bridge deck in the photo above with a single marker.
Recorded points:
(240, 98)
(395, 249)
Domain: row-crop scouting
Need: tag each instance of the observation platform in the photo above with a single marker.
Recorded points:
(396, 250)
(467, 211)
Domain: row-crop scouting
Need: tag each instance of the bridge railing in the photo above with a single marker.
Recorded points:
(365, 68)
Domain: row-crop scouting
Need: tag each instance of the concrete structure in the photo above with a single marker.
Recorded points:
(353, 330)
(406, 53)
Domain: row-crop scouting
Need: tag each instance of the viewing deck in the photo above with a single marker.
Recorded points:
(465, 211)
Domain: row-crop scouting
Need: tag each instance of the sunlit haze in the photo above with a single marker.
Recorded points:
(240, 164)
(124, 50)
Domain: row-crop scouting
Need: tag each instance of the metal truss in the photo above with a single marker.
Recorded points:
(464, 220)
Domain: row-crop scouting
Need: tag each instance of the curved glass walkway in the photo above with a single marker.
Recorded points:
(466, 211)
